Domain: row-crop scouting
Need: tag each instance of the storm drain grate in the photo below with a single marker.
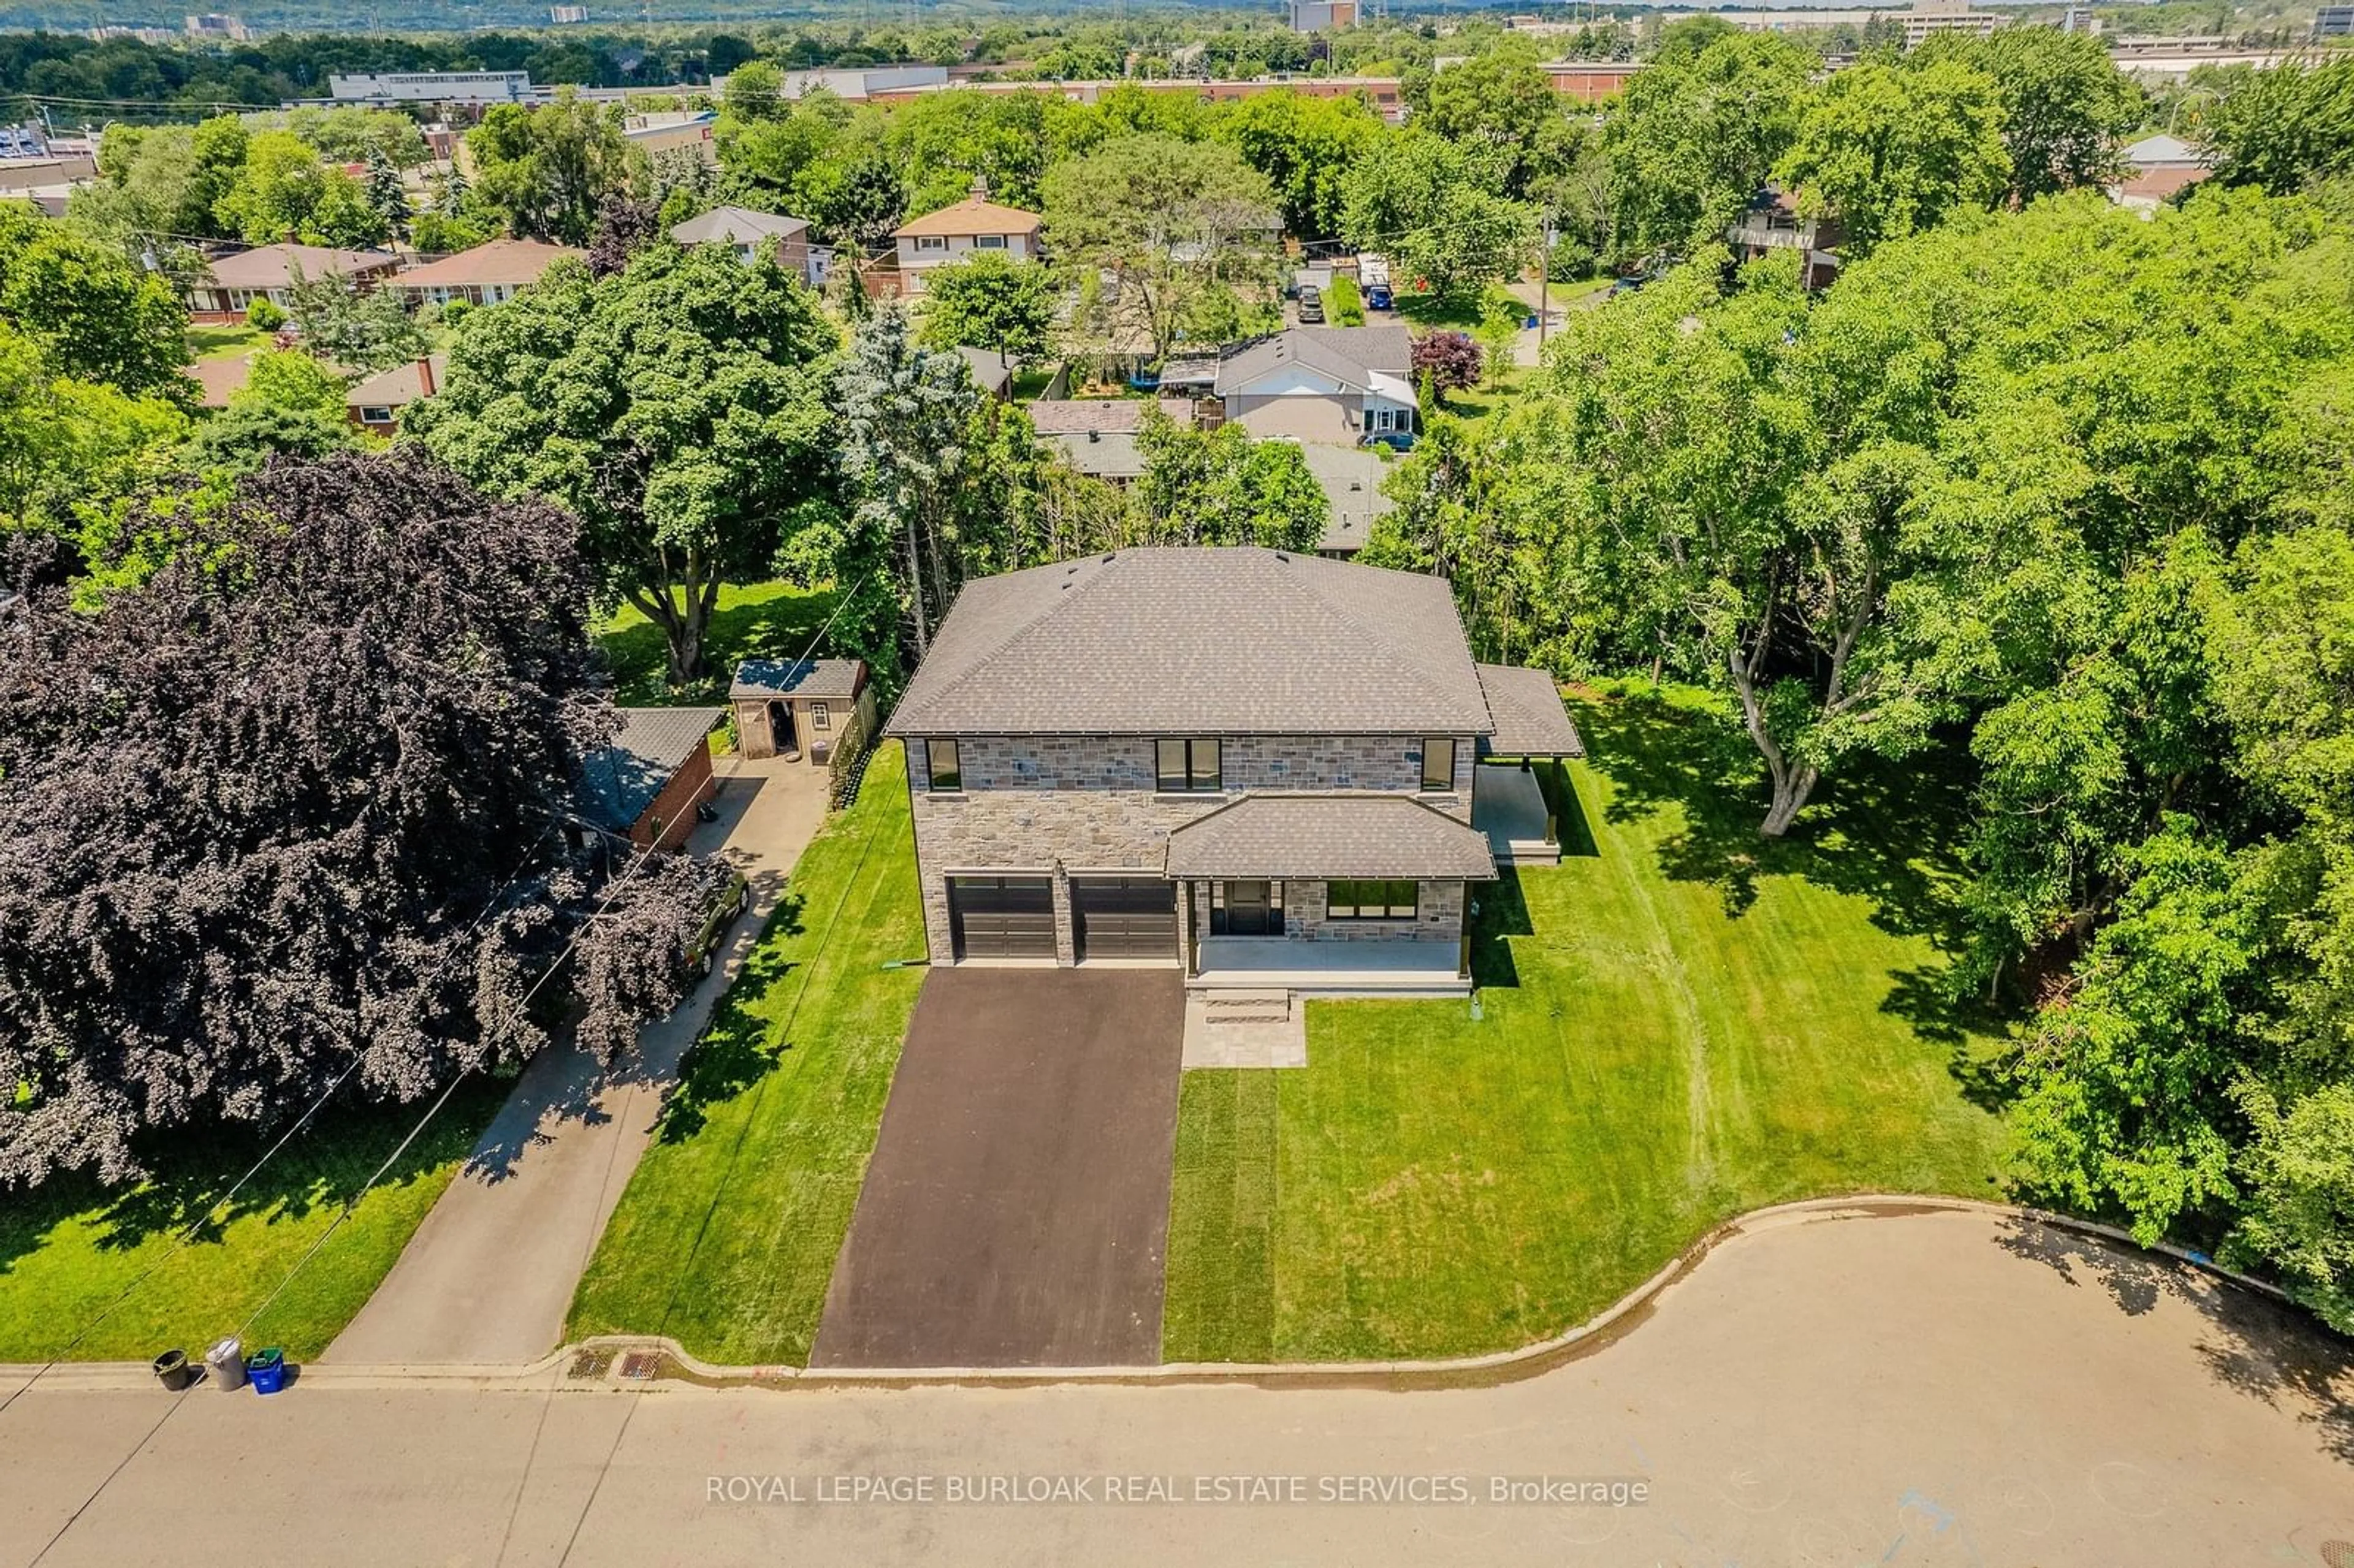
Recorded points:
(641, 1363)
(590, 1363)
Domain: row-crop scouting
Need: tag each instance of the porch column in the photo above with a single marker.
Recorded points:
(1553, 822)
(1193, 931)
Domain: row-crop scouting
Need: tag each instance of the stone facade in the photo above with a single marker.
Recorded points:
(1438, 914)
(1061, 806)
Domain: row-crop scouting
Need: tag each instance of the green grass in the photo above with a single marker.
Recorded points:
(1680, 1024)
(753, 620)
(1030, 382)
(1424, 310)
(728, 1233)
(69, 1248)
(226, 342)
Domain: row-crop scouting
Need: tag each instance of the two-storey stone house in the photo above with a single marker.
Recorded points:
(1249, 762)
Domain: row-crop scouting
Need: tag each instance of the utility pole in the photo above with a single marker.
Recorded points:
(1545, 285)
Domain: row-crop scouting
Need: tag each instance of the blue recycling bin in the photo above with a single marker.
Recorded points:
(266, 1369)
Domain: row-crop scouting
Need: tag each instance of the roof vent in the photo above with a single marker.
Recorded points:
(1281, 557)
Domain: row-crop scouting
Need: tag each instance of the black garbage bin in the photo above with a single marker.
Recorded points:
(172, 1371)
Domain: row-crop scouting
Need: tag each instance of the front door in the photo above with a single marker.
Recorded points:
(1248, 911)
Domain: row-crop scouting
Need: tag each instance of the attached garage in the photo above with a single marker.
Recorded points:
(1002, 917)
(1124, 916)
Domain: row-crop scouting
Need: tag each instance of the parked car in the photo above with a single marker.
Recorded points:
(1311, 302)
(1379, 298)
(1624, 286)
(1396, 440)
(730, 893)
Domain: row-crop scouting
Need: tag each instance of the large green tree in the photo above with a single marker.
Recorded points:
(2066, 107)
(1697, 132)
(1305, 146)
(678, 408)
(1220, 487)
(546, 171)
(1433, 204)
(96, 316)
(1166, 221)
(991, 301)
(1891, 148)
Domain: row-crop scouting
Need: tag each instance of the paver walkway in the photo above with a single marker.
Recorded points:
(490, 1274)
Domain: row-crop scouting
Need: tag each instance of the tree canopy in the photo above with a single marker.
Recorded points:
(257, 816)
(678, 408)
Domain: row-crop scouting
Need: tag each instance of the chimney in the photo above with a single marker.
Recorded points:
(424, 376)
(980, 187)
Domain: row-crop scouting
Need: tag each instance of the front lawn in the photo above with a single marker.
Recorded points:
(728, 1233)
(69, 1248)
(1680, 1024)
(753, 620)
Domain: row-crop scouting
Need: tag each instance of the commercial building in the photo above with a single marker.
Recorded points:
(476, 86)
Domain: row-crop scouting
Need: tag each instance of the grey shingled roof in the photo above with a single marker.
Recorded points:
(1225, 641)
(735, 226)
(1531, 720)
(1349, 355)
(992, 371)
(825, 680)
(1100, 454)
(1122, 416)
(1355, 834)
(618, 783)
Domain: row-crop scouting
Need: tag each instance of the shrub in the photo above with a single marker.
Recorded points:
(1343, 304)
(1449, 359)
(263, 316)
(455, 311)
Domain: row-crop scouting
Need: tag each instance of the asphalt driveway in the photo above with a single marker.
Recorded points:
(1017, 1205)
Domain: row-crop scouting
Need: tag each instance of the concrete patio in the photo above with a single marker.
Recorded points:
(1509, 806)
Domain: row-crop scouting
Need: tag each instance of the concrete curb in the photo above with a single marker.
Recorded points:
(600, 1363)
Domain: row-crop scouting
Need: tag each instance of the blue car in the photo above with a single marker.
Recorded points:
(1378, 298)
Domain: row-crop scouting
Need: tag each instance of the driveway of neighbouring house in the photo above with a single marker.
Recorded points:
(490, 1274)
(1017, 1205)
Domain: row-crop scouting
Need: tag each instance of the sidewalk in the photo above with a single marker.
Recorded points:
(490, 1274)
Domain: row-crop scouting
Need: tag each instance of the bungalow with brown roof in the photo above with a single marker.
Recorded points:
(955, 233)
(492, 271)
(374, 404)
(228, 284)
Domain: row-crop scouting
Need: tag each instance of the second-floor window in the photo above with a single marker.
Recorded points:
(1187, 765)
(940, 764)
(1438, 762)
(930, 242)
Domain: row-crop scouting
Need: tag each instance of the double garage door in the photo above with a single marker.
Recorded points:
(1013, 917)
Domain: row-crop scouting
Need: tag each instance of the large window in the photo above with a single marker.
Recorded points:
(941, 763)
(1438, 762)
(1370, 900)
(1180, 766)
(930, 242)
(989, 242)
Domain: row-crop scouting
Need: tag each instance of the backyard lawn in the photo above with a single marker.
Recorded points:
(226, 342)
(728, 1233)
(753, 620)
(1678, 1023)
(69, 1249)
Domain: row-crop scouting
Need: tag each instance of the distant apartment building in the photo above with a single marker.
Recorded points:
(675, 130)
(213, 27)
(1929, 16)
(387, 87)
(1321, 16)
(1926, 16)
(567, 15)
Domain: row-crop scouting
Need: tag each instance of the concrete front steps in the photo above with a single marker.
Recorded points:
(1253, 1027)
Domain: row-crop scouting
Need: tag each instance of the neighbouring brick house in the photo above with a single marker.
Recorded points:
(1244, 761)
(646, 784)
(802, 707)
(954, 234)
(750, 235)
(228, 284)
(374, 403)
(490, 273)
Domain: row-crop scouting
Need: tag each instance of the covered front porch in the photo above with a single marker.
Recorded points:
(1507, 797)
(1333, 969)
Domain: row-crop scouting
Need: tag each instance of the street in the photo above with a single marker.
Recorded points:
(1921, 1388)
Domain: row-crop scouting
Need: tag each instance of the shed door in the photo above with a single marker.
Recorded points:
(1124, 916)
(1002, 917)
